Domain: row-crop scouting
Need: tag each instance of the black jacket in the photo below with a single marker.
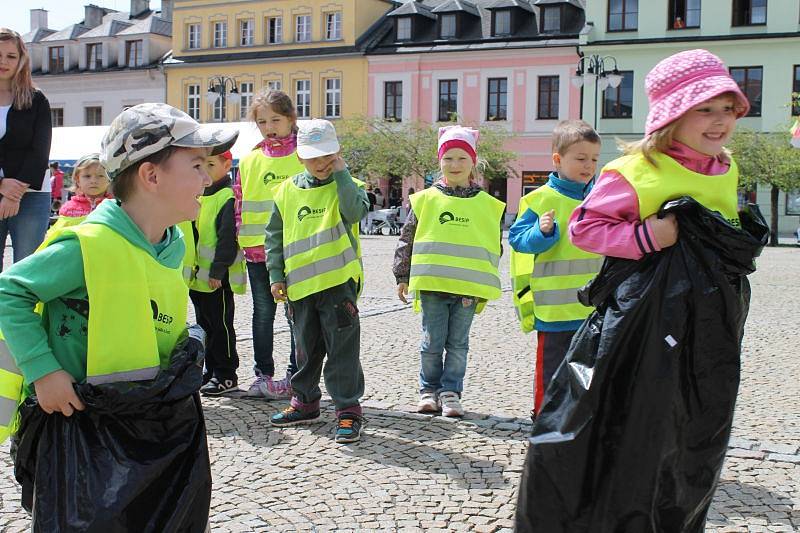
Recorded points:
(25, 148)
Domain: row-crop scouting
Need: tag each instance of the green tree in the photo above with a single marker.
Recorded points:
(769, 159)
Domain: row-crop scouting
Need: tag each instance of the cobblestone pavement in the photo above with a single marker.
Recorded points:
(421, 473)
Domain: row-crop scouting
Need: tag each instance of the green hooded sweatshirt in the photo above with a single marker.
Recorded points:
(58, 339)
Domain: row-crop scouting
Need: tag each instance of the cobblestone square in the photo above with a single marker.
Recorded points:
(414, 472)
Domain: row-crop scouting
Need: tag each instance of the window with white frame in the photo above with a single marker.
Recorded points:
(220, 109)
(303, 29)
(404, 28)
(246, 93)
(274, 30)
(94, 56)
(220, 34)
(274, 85)
(333, 97)
(246, 32)
(134, 53)
(93, 116)
(193, 36)
(333, 26)
(302, 98)
(193, 101)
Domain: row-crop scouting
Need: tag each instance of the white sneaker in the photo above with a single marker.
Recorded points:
(451, 404)
(427, 402)
(256, 390)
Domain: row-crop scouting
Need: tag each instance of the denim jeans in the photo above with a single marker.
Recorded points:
(445, 328)
(264, 308)
(27, 227)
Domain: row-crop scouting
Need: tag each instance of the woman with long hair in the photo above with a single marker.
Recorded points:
(25, 134)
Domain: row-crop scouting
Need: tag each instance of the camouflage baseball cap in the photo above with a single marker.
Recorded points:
(142, 130)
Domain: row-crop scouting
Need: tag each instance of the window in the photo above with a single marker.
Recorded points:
(447, 26)
(274, 85)
(302, 98)
(246, 28)
(303, 29)
(393, 101)
(796, 90)
(333, 26)
(133, 53)
(502, 22)
(57, 116)
(220, 34)
(548, 97)
(618, 101)
(333, 98)
(623, 15)
(498, 96)
(246, 93)
(749, 12)
(94, 116)
(94, 56)
(220, 113)
(684, 14)
(193, 101)
(56, 59)
(274, 30)
(448, 100)
(193, 36)
(551, 19)
(404, 28)
(749, 80)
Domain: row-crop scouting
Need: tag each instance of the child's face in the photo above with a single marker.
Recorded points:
(181, 181)
(9, 60)
(92, 180)
(273, 125)
(708, 126)
(578, 162)
(456, 166)
(217, 167)
(320, 167)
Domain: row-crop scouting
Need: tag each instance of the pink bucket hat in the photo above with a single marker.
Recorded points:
(459, 137)
(683, 80)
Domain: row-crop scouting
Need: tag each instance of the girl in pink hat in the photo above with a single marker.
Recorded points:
(694, 105)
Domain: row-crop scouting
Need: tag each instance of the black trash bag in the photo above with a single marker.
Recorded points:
(635, 423)
(135, 460)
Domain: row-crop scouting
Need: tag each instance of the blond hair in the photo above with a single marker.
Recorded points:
(22, 87)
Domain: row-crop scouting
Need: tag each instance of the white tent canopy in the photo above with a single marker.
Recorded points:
(72, 143)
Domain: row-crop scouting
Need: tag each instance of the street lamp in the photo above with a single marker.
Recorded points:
(218, 88)
(593, 68)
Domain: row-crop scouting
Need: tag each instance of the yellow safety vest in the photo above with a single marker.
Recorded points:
(260, 177)
(137, 315)
(207, 245)
(557, 274)
(189, 252)
(671, 180)
(521, 266)
(456, 244)
(317, 250)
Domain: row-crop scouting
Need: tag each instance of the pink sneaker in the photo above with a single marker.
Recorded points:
(255, 389)
(277, 389)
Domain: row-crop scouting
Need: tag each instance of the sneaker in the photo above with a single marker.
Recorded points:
(255, 390)
(277, 390)
(427, 402)
(292, 417)
(216, 387)
(349, 428)
(451, 404)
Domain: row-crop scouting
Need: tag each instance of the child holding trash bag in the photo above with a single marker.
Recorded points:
(102, 364)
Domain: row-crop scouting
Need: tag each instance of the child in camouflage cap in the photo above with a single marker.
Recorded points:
(114, 297)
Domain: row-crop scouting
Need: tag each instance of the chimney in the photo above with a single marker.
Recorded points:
(166, 10)
(93, 16)
(38, 19)
(138, 7)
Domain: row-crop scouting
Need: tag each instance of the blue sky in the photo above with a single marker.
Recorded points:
(61, 13)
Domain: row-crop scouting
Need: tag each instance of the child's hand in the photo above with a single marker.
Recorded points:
(214, 283)
(665, 230)
(278, 291)
(338, 163)
(56, 395)
(402, 292)
(546, 222)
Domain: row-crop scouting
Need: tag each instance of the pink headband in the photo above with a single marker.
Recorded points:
(459, 137)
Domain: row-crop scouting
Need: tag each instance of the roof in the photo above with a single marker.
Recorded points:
(451, 6)
(112, 24)
(37, 35)
(151, 24)
(501, 4)
(580, 4)
(69, 33)
(412, 8)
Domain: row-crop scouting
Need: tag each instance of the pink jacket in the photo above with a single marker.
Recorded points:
(608, 221)
(81, 205)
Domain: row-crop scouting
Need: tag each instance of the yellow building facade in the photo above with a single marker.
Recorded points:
(309, 49)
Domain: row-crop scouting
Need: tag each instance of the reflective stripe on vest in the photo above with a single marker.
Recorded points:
(567, 267)
(189, 251)
(521, 267)
(261, 176)
(322, 266)
(456, 245)
(11, 391)
(318, 239)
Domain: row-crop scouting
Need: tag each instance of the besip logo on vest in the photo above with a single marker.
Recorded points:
(271, 176)
(449, 218)
(306, 212)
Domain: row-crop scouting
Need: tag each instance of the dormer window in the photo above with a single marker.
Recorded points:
(551, 19)
(501, 22)
(447, 26)
(404, 28)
